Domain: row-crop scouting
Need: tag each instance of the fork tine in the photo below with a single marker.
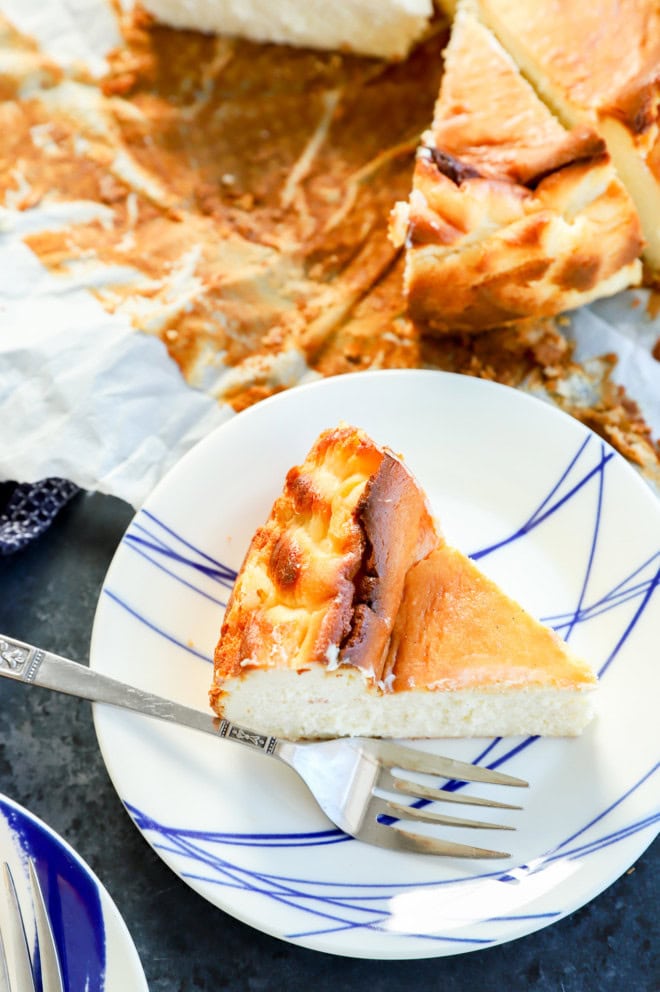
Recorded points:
(430, 816)
(17, 945)
(4, 971)
(410, 759)
(386, 780)
(387, 807)
(397, 838)
(421, 844)
(51, 976)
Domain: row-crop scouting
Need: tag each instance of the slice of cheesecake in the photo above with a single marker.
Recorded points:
(597, 63)
(384, 28)
(511, 215)
(352, 617)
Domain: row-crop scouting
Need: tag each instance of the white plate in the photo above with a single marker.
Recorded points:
(553, 514)
(95, 948)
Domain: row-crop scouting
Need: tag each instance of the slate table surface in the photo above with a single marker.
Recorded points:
(48, 595)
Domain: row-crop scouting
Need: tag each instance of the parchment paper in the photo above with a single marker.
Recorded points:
(85, 396)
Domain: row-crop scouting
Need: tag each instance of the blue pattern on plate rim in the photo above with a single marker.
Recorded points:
(338, 906)
(72, 897)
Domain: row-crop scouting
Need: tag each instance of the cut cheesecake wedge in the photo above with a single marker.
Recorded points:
(511, 215)
(597, 63)
(384, 28)
(352, 617)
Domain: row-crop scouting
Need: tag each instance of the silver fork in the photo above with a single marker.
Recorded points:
(346, 776)
(14, 948)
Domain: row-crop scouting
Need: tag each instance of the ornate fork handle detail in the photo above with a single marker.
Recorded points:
(259, 741)
(27, 663)
(20, 658)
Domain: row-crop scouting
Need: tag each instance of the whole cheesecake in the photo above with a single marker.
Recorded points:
(351, 616)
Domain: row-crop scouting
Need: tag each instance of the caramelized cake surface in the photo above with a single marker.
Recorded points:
(511, 214)
(598, 63)
(322, 579)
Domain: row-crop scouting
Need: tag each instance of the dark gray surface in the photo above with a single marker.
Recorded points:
(50, 763)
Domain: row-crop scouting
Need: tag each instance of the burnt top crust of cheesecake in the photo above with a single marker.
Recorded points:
(511, 214)
(597, 63)
(323, 577)
(596, 56)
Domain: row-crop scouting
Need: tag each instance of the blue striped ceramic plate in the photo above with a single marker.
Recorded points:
(95, 949)
(552, 513)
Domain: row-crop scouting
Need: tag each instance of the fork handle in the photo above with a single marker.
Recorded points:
(27, 663)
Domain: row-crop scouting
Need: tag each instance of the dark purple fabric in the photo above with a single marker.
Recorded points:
(29, 509)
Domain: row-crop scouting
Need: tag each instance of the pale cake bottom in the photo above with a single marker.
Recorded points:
(314, 704)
